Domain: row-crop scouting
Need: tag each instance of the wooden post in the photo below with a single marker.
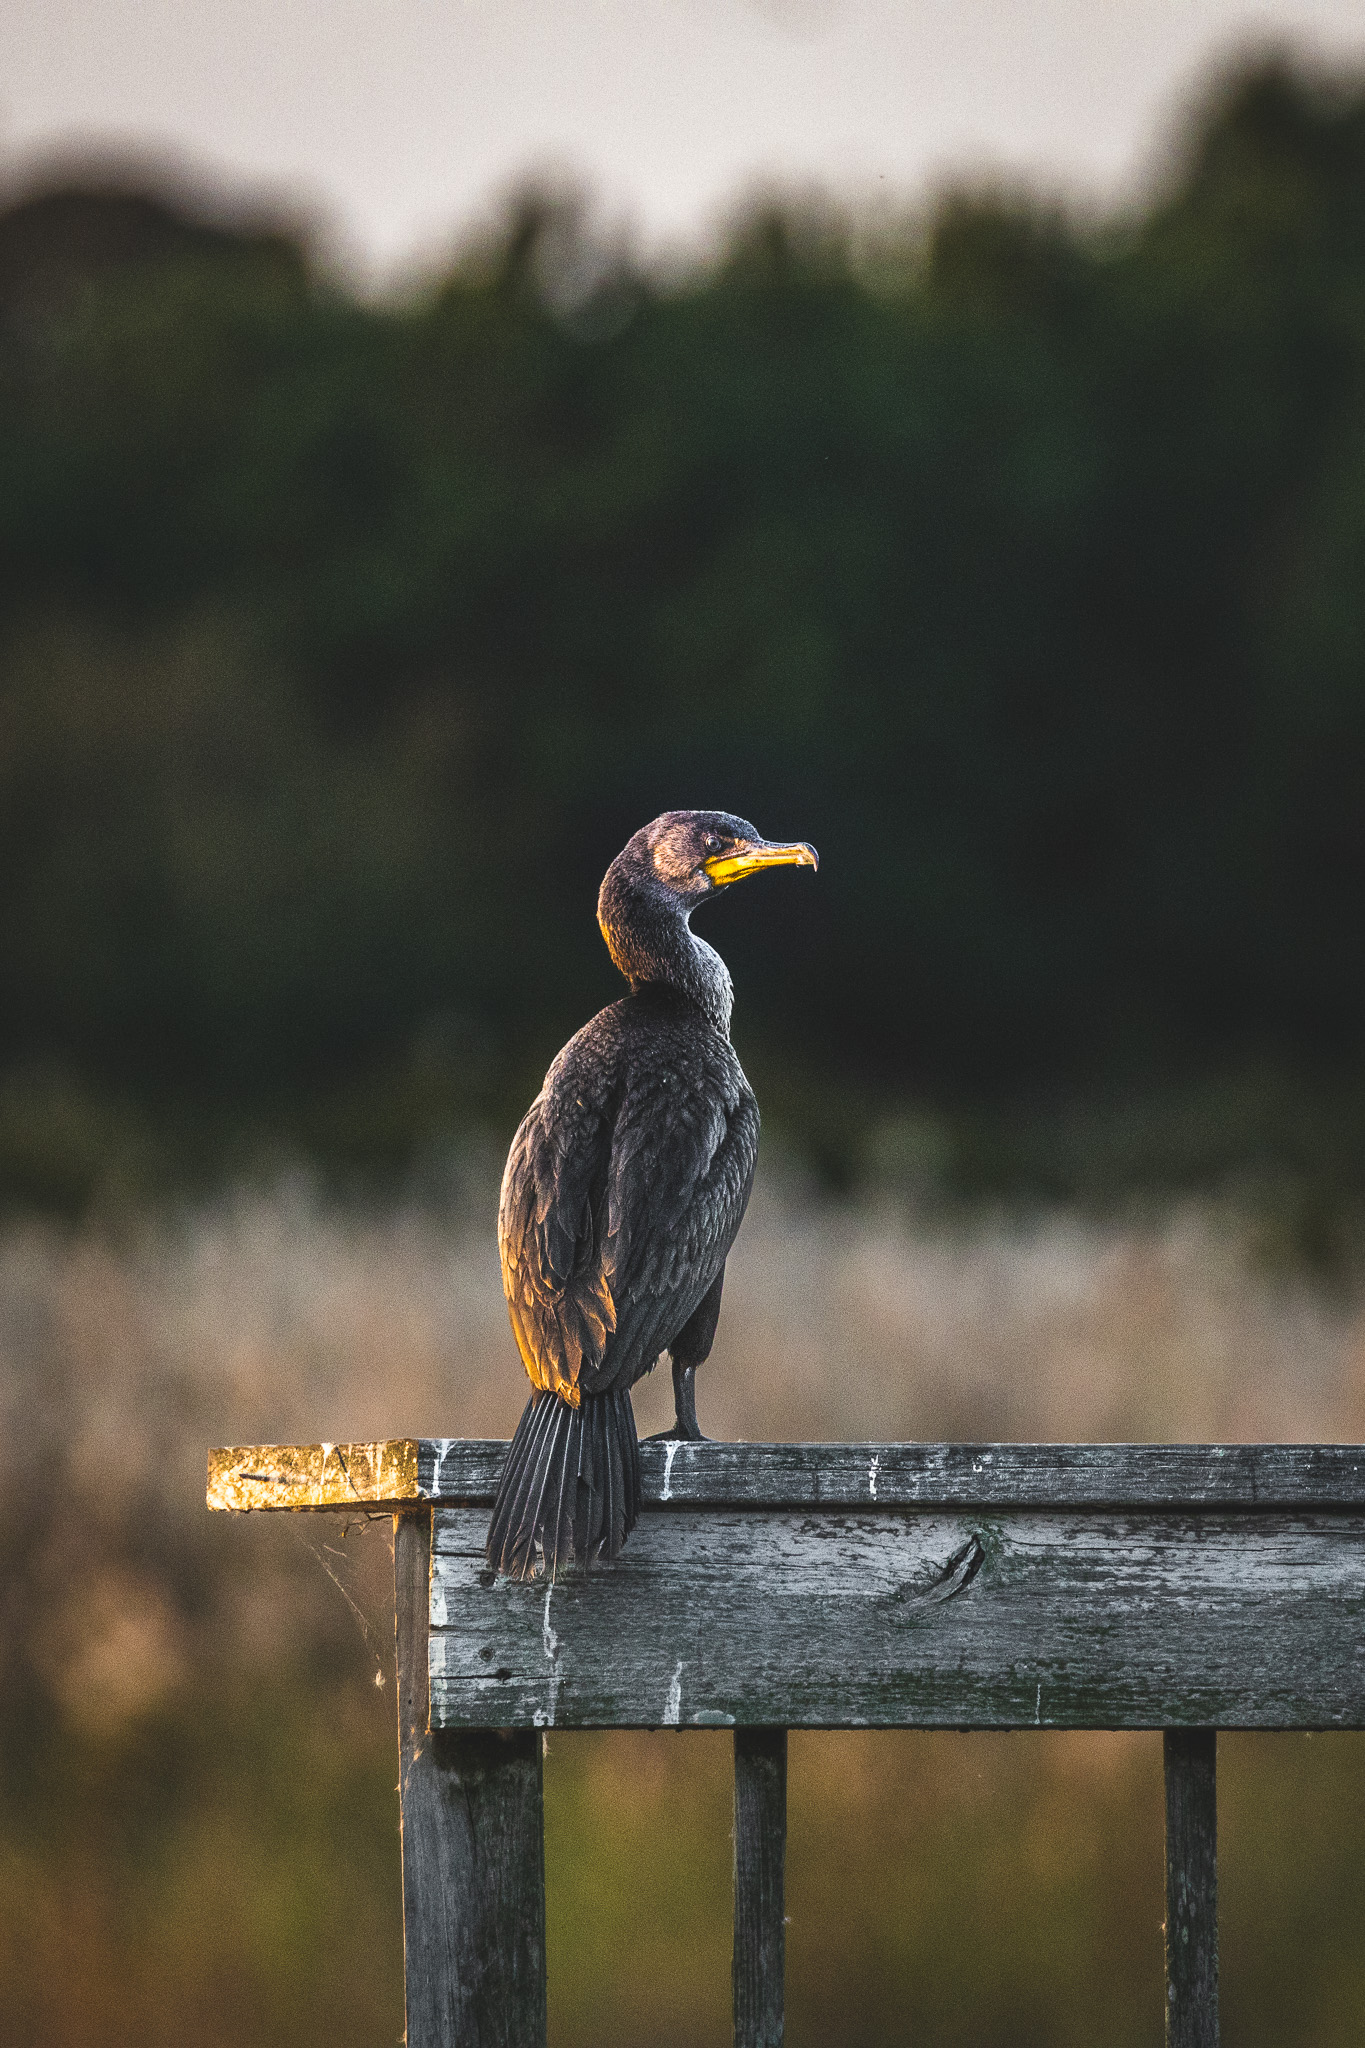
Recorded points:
(1191, 1758)
(760, 1859)
(473, 1850)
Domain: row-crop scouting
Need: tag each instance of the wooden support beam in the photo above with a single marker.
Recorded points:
(836, 1619)
(473, 1850)
(1191, 1759)
(760, 1868)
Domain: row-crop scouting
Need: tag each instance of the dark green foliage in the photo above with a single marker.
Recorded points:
(1017, 563)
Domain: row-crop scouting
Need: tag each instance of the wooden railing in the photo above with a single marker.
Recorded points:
(1181, 1587)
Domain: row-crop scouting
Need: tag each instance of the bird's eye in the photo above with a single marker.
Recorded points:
(711, 842)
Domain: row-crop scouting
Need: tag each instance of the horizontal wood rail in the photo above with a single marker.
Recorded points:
(1183, 1587)
(406, 1471)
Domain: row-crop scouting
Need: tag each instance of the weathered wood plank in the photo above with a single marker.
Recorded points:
(760, 1953)
(377, 1475)
(1003, 1475)
(952, 1475)
(717, 1475)
(829, 1619)
(1191, 1757)
(473, 1851)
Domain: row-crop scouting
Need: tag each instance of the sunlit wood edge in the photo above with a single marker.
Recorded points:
(246, 1477)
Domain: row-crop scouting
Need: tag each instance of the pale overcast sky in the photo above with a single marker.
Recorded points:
(398, 120)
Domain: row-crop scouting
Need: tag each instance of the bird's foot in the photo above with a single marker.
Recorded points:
(677, 1435)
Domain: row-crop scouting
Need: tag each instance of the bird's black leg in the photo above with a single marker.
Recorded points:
(685, 1403)
(689, 1349)
(685, 1429)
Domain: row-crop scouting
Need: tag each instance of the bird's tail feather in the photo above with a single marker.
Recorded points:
(570, 1490)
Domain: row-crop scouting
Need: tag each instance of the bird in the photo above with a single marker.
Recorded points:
(624, 1188)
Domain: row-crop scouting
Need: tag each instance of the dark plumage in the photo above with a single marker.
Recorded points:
(623, 1191)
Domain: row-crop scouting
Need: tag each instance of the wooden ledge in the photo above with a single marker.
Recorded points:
(405, 1471)
(381, 1475)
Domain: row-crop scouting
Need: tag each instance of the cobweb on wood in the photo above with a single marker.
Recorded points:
(335, 1549)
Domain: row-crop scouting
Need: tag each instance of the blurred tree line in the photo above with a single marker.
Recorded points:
(1017, 560)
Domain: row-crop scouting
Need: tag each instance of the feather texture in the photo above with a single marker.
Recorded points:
(570, 1489)
(624, 1189)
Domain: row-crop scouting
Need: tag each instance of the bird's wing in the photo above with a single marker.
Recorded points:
(559, 1295)
(618, 1210)
(682, 1168)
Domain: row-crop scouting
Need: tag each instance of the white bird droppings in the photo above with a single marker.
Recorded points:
(544, 1717)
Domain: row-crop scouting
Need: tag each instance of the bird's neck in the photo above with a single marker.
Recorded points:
(652, 944)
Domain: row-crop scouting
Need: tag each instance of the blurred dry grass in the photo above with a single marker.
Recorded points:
(199, 1825)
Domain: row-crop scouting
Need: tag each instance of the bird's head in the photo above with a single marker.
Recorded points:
(692, 854)
(655, 883)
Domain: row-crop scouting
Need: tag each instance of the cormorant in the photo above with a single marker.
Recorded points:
(623, 1191)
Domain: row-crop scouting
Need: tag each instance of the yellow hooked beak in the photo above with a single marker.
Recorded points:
(747, 860)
